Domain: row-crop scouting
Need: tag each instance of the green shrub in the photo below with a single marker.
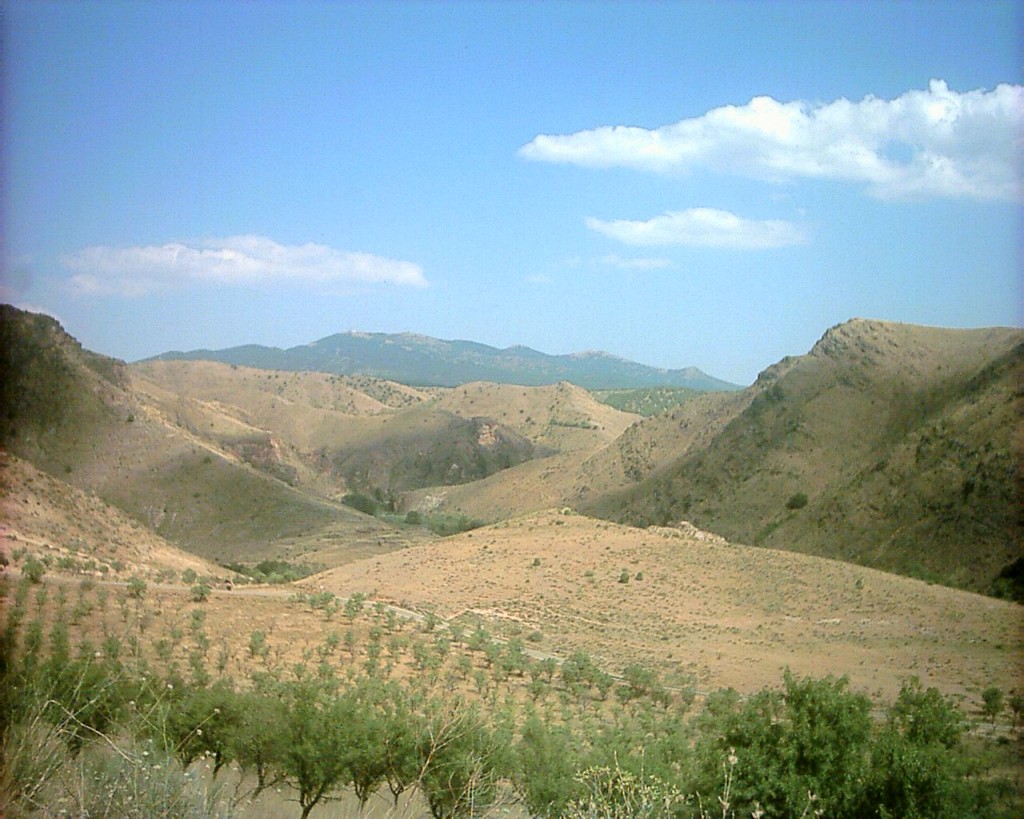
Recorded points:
(797, 501)
(136, 588)
(34, 570)
(362, 503)
(200, 593)
(992, 703)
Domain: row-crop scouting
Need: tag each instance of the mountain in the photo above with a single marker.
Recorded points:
(894, 446)
(421, 360)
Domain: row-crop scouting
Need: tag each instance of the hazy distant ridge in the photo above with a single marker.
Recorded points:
(422, 360)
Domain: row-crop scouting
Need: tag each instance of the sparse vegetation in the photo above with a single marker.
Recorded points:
(273, 571)
(540, 697)
(111, 731)
(648, 401)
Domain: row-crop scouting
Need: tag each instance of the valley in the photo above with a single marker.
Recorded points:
(854, 514)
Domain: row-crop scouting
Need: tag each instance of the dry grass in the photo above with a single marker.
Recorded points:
(48, 518)
(731, 615)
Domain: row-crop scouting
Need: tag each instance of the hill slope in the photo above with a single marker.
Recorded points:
(890, 445)
(75, 415)
(695, 604)
(78, 532)
(421, 360)
(578, 473)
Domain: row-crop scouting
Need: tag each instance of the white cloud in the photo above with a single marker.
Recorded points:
(236, 260)
(924, 143)
(637, 263)
(702, 227)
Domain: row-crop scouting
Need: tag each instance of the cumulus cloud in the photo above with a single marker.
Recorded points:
(236, 260)
(702, 227)
(924, 143)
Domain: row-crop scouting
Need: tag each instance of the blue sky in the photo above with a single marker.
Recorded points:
(705, 184)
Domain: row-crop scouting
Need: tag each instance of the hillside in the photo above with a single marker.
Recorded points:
(694, 604)
(889, 445)
(76, 416)
(78, 532)
(577, 474)
(333, 434)
(421, 360)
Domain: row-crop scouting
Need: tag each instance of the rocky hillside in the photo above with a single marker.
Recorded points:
(890, 445)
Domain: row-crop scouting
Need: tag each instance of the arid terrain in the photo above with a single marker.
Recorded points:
(818, 521)
(165, 465)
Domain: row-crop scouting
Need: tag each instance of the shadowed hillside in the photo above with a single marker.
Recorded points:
(889, 445)
(79, 533)
(427, 447)
(75, 415)
(58, 401)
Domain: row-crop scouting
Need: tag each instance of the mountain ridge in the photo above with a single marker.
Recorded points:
(420, 360)
(891, 445)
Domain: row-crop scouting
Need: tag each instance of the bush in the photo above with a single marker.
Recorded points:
(136, 588)
(362, 503)
(445, 525)
(992, 703)
(200, 593)
(797, 501)
(33, 570)
(812, 737)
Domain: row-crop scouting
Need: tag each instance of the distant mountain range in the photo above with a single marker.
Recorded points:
(424, 361)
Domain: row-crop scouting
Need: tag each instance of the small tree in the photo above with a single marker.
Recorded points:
(314, 758)
(1016, 706)
(543, 768)
(33, 570)
(992, 702)
(461, 764)
(258, 737)
(136, 588)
